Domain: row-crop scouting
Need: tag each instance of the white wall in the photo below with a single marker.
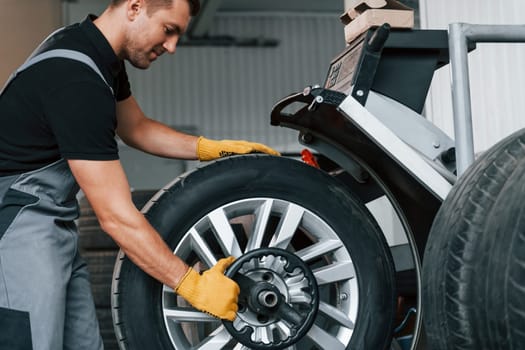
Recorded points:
(497, 71)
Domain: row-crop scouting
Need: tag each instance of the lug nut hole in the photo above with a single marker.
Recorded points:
(262, 319)
(242, 307)
(267, 277)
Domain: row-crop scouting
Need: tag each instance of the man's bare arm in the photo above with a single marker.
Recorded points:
(148, 135)
(106, 187)
(143, 133)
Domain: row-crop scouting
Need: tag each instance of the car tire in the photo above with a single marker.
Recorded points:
(293, 207)
(452, 265)
(499, 284)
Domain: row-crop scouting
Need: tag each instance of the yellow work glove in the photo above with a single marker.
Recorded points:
(211, 291)
(212, 149)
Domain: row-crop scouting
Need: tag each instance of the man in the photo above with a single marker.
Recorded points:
(59, 117)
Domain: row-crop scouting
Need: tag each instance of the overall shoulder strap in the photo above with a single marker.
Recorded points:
(62, 53)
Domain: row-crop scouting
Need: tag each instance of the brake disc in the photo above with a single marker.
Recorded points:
(278, 301)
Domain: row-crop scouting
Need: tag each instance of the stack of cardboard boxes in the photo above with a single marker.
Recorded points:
(373, 13)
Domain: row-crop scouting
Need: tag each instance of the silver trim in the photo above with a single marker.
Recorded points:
(395, 147)
(409, 126)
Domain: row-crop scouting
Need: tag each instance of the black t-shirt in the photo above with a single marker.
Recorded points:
(61, 108)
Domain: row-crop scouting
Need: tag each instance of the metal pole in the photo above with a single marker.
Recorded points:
(460, 34)
(461, 97)
(495, 33)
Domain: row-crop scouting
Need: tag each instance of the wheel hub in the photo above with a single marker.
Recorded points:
(278, 301)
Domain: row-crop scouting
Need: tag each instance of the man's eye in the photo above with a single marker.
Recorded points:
(171, 31)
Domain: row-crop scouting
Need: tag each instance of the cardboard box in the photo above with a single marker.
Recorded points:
(373, 13)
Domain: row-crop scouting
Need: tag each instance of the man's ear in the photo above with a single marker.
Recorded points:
(134, 7)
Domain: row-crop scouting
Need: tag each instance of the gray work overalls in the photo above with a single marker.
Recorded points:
(45, 296)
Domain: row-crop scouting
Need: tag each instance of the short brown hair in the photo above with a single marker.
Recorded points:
(155, 4)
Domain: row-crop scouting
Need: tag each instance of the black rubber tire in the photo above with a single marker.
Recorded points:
(452, 257)
(137, 305)
(499, 283)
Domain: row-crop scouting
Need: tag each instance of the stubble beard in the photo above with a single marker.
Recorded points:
(139, 59)
(137, 56)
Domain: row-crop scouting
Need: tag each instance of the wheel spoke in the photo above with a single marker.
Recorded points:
(323, 339)
(201, 248)
(216, 340)
(334, 273)
(287, 227)
(329, 264)
(319, 249)
(336, 314)
(185, 314)
(262, 214)
(224, 233)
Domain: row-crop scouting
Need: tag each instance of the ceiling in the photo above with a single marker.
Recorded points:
(281, 5)
(209, 8)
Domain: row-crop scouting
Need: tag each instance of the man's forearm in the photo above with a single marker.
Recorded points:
(105, 186)
(151, 136)
(144, 246)
(156, 138)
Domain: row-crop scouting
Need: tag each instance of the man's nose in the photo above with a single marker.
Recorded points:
(171, 44)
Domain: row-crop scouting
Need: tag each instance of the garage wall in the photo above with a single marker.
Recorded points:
(497, 72)
(228, 92)
(31, 20)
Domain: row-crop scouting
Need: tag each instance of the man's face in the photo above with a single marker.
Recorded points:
(152, 34)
